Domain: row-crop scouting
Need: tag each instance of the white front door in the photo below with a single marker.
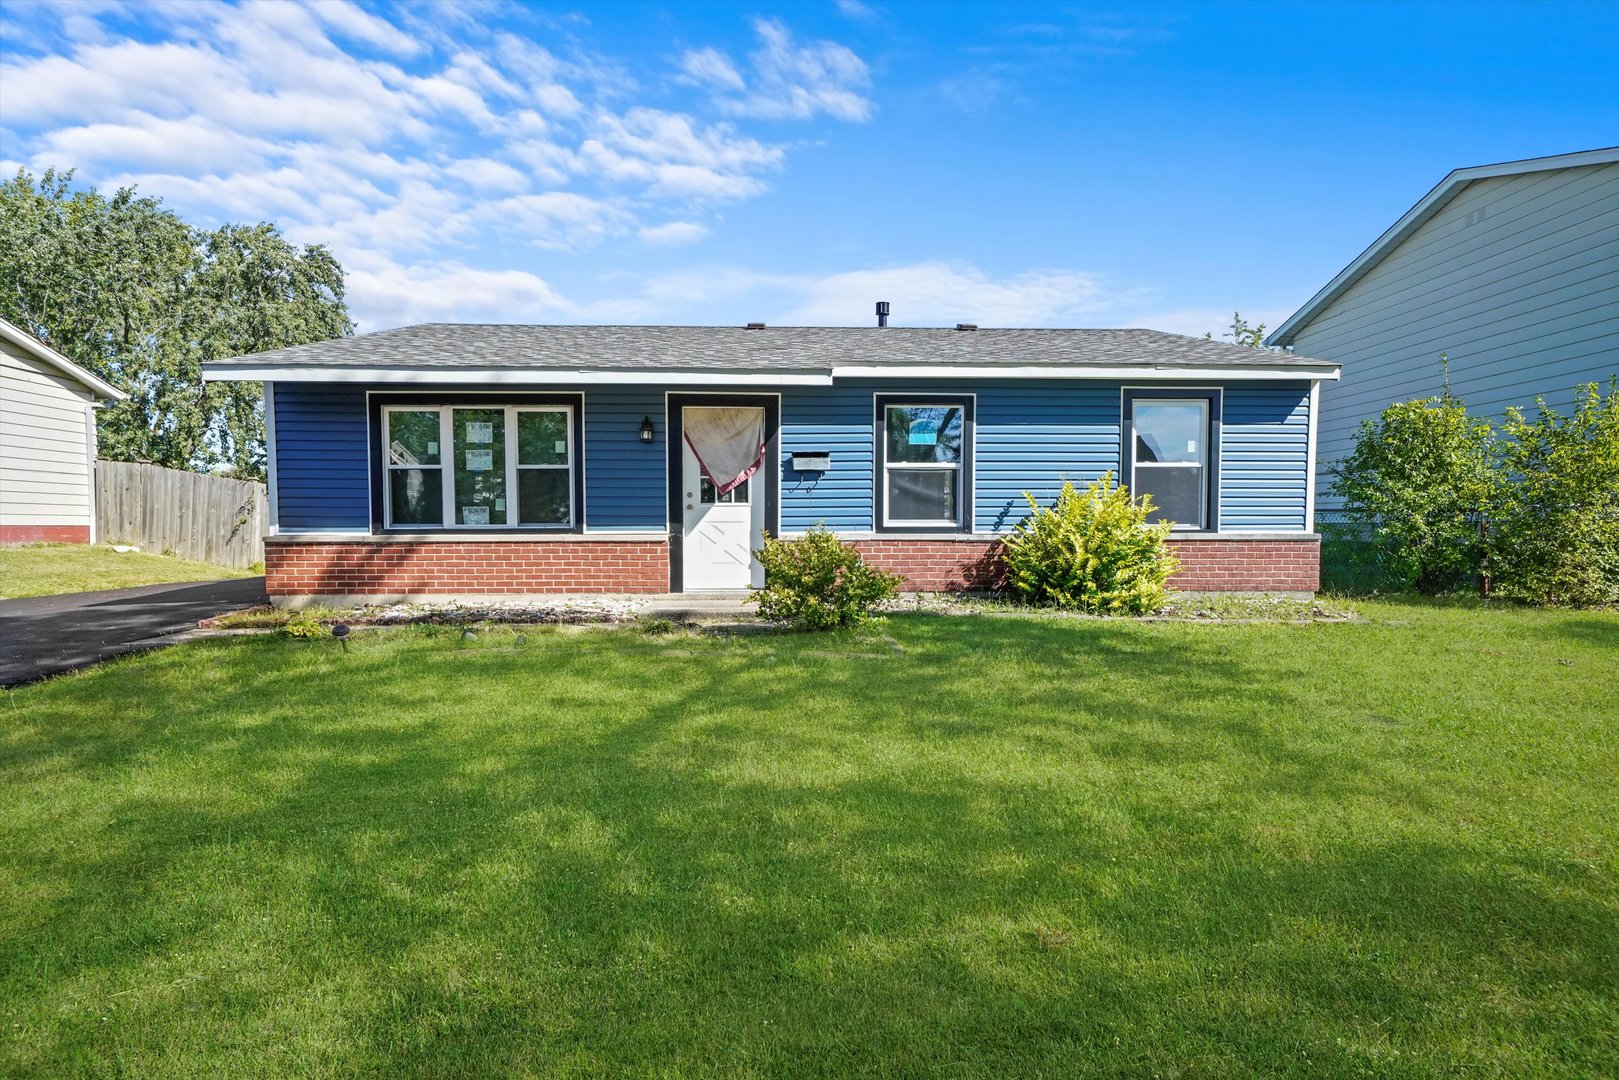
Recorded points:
(721, 531)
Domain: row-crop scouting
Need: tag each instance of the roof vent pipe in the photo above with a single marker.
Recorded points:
(882, 313)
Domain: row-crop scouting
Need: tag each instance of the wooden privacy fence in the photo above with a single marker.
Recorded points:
(193, 515)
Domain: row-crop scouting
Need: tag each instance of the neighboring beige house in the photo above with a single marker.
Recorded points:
(47, 442)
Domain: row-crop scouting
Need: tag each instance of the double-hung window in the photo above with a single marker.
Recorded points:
(479, 466)
(924, 463)
(1172, 439)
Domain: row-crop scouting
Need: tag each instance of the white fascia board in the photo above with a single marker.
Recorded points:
(42, 352)
(394, 376)
(1175, 372)
(1429, 205)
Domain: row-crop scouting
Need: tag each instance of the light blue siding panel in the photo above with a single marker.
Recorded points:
(624, 477)
(1033, 436)
(838, 420)
(1264, 450)
(1514, 279)
(321, 465)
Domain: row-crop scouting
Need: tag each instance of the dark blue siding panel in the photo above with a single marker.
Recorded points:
(1264, 447)
(624, 477)
(320, 462)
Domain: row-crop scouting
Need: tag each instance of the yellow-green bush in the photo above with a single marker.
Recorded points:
(1091, 551)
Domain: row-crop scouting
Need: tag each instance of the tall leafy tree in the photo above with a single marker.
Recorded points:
(126, 288)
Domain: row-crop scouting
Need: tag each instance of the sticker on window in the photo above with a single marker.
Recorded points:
(480, 460)
(480, 431)
(432, 448)
(562, 446)
(500, 504)
(475, 515)
(923, 433)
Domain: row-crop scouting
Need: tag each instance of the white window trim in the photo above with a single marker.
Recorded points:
(446, 466)
(1137, 464)
(888, 522)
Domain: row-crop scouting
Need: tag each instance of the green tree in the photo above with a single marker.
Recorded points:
(1556, 531)
(1421, 477)
(1241, 333)
(126, 288)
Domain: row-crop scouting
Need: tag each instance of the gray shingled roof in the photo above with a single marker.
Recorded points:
(727, 348)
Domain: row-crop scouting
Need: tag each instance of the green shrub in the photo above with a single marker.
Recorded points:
(1421, 476)
(820, 583)
(1091, 552)
(297, 627)
(1555, 535)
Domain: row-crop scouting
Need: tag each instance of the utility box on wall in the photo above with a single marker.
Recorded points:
(812, 461)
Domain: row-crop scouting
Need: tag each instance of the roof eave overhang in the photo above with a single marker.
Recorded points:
(31, 345)
(509, 376)
(1413, 219)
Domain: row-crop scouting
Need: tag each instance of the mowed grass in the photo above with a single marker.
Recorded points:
(48, 569)
(961, 846)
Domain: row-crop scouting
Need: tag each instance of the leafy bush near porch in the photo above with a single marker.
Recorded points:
(1555, 533)
(1091, 552)
(817, 582)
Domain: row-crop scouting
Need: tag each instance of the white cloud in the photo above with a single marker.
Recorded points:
(408, 143)
(359, 25)
(859, 12)
(672, 234)
(710, 67)
(923, 294)
(788, 81)
(387, 294)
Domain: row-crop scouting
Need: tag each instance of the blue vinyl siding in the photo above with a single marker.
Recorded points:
(835, 419)
(1031, 436)
(321, 467)
(1034, 436)
(624, 477)
(1264, 447)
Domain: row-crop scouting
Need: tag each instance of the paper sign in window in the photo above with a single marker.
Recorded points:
(480, 460)
(480, 431)
(475, 515)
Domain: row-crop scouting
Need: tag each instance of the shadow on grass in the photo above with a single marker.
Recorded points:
(992, 852)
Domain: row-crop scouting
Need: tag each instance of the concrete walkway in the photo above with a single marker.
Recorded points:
(47, 635)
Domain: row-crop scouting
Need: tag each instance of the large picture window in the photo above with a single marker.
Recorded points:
(1172, 455)
(924, 474)
(479, 466)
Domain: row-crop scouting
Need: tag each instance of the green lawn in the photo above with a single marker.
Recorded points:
(975, 846)
(47, 569)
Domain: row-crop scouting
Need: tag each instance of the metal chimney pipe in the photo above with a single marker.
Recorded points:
(882, 313)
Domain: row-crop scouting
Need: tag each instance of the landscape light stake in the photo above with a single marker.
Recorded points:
(340, 631)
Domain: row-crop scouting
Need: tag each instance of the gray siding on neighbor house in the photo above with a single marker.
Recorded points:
(47, 444)
(1516, 279)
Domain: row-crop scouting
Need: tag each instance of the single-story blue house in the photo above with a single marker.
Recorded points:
(473, 460)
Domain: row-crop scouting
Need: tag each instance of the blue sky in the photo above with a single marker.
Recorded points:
(1010, 164)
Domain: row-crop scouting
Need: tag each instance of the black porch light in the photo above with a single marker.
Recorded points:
(646, 429)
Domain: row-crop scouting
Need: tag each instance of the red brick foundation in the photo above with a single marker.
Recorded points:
(1224, 565)
(1248, 565)
(44, 534)
(419, 568)
(362, 568)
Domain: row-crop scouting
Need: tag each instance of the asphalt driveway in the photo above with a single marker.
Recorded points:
(47, 635)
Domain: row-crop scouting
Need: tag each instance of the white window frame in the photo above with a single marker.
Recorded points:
(1137, 464)
(446, 466)
(514, 466)
(958, 466)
